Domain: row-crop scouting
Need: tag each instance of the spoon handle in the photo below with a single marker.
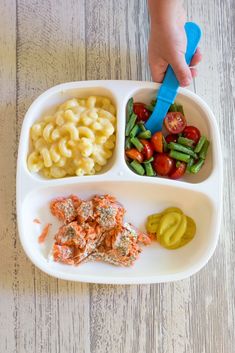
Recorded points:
(169, 88)
(193, 33)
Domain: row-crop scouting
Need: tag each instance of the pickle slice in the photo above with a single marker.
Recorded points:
(153, 222)
(154, 219)
(171, 229)
(190, 231)
(188, 235)
(172, 209)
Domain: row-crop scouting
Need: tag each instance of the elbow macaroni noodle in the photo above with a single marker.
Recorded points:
(77, 140)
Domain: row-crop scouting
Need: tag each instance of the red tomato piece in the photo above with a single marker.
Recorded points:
(141, 111)
(171, 138)
(133, 153)
(163, 164)
(157, 141)
(178, 171)
(192, 133)
(175, 122)
(147, 151)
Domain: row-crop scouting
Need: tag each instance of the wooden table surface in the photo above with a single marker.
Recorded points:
(43, 43)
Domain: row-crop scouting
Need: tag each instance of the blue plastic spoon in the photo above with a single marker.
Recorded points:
(169, 88)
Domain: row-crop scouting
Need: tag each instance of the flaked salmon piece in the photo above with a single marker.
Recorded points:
(120, 248)
(94, 230)
(65, 209)
(143, 237)
(63, 253)
(82, 238)
(108, 213)
(71, 234)
(112, 257)
(44, 234)
(94, 237)
(81, 255)
(85, 211)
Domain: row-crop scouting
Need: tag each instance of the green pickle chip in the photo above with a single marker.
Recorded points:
(153, 222)
(172, 209)
(172, 227)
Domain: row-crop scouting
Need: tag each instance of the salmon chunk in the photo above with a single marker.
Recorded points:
(119, 248)
(82, 238)
(85, 211)
(63, 253)
(71, 234)
(94, 230)
(108, 212)
(65, 209)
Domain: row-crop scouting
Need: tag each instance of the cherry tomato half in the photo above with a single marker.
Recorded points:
(157, 141)
(175, 122)
(163, 164)
(171, 138)
(178, 171)
(192, 133)
(133, 153)
(147, 151)
(141, 111)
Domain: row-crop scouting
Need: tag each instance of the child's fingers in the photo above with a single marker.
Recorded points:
(158, 71)
(193, 71)
(196, 58)
(181, 69)
(184, 73)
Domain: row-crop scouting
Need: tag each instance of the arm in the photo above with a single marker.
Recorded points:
(167, 41)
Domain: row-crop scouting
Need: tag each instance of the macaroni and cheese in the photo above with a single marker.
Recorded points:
(78, 139)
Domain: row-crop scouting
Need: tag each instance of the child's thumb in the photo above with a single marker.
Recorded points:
(181, 69)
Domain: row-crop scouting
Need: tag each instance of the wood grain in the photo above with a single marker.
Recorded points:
(8, 151)
(51, 41)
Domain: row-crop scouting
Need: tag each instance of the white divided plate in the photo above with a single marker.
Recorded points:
(199, 196)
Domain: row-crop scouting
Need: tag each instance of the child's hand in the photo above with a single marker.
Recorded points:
(167, 42)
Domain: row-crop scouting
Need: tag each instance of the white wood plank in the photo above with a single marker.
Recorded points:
(212, 321)
(8, 287)
(53, 315)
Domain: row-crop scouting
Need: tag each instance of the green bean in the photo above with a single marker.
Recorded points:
(137, 167)
(185, 141)
(179, 156)
(145, 134)
(200, 143)
(131, 123)
(134, 130)
(165, 145)
(149, 169)
(135, 141)
(197, 166)
(127, 143)
(177, 147)
(148, 160)
(204, 150)
(129, 108)
(189, 164)
(180, 108)
(141, 126)
(173, 108)
(150, 107)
